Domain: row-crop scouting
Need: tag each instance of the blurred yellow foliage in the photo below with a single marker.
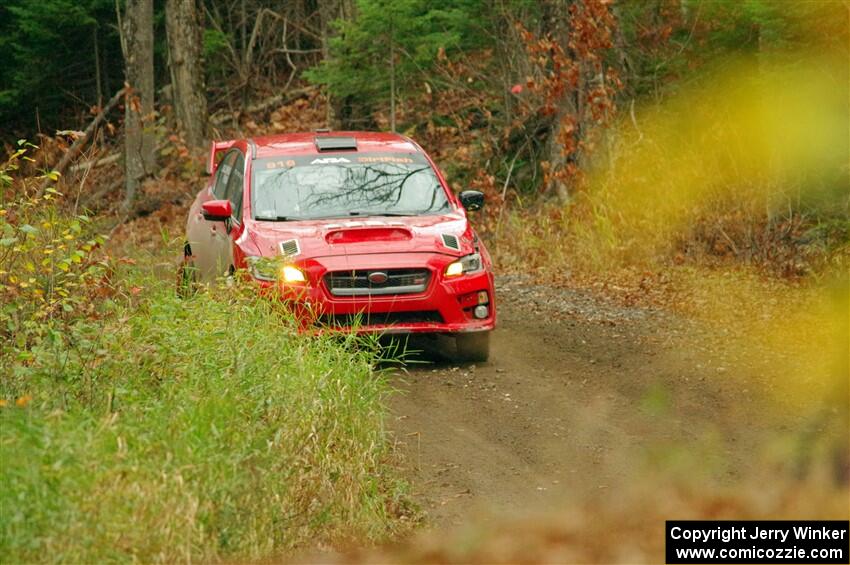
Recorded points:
(761, 142)
(739, 170)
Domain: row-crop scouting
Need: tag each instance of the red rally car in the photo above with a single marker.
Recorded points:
(348, 226)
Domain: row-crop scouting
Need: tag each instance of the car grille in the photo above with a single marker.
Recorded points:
(398, 281)
(381, 318)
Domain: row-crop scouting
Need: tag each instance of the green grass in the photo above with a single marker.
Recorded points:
(175, 430)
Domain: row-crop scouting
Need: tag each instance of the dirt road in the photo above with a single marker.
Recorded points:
(581, 397)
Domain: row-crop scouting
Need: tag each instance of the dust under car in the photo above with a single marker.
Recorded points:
(356, 229)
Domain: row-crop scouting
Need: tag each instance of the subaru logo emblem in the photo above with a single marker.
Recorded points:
(377, 277)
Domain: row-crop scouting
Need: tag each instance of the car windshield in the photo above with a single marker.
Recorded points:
(344, 185)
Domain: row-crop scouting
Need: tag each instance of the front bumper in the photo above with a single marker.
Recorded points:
(445, 306)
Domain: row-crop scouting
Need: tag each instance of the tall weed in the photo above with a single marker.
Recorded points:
(194, 430)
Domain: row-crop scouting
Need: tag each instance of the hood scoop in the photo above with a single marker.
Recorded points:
(367, 233)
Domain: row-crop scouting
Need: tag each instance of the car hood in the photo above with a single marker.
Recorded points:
(367, 235)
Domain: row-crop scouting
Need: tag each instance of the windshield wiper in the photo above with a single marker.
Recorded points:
(376, 213)
(353, 213)
(277, 218)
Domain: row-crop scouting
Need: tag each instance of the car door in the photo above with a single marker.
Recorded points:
(223, 239)
(206, 237)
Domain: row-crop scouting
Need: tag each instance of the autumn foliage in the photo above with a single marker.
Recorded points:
(51, 264)
(572, 84)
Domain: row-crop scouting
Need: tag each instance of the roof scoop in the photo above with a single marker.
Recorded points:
(330, 143)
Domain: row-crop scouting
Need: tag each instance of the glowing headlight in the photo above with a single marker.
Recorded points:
(270, 269)
(454, 269)
(468, 264)
(292, 274)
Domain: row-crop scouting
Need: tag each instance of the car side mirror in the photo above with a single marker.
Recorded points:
(472, 200)
(217, 210)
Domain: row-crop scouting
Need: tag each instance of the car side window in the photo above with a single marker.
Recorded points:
(222, 175)
(235, 186)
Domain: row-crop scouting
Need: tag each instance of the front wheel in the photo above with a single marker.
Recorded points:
(187, 275)
(473, 347)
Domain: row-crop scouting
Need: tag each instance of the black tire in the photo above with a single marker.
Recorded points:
(187, 276)
(473, 347)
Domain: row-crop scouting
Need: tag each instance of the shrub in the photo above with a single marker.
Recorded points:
(49, 265)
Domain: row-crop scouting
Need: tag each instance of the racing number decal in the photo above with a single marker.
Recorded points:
(288, 164)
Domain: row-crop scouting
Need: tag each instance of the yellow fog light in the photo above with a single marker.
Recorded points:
(292, 274)
(454, 269)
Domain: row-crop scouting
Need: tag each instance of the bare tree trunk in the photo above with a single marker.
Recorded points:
(97, 78)
(556, 21)
(139, 144)
(556, 157)
(185, 40)
(331, 113)
(392, 80)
